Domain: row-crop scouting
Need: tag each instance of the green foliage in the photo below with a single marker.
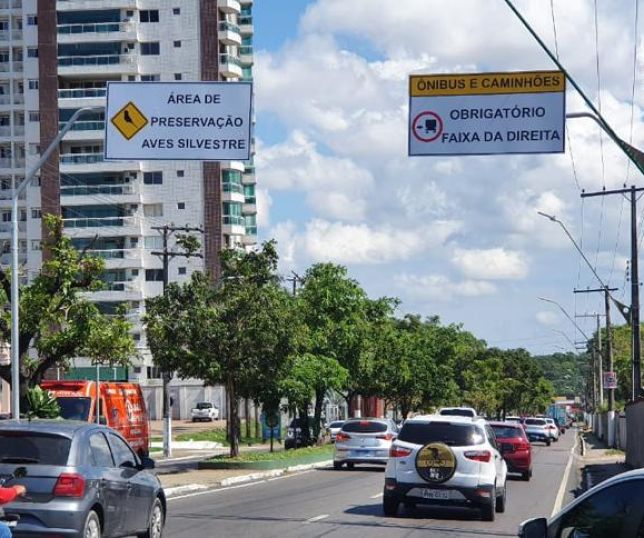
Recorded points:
(42, 404)
(56, 317)
(566, 371)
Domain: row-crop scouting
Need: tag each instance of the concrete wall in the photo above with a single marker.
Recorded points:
(621, 432)
(185, 396)
(635, 434)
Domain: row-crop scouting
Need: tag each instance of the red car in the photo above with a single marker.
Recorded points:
(515, 447)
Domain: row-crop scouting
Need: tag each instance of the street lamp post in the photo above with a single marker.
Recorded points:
(15, 293)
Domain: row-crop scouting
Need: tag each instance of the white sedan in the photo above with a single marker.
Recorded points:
(204, 411)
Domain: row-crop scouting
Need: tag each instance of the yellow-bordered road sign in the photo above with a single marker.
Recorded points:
(129, 120)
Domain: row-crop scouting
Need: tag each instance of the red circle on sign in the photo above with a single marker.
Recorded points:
(432, 124)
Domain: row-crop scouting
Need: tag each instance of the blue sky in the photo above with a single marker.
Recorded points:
(457, 237)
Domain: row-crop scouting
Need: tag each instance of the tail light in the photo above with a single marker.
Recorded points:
(70, 485)
(522, 445)
(479, 455)
(399, 452)
(342, 437)
(386, 437)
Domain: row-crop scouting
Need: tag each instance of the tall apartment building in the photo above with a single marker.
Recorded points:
(56, 57)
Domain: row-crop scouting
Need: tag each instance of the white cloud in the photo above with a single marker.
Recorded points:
(264, 203)
(546, 317)
(440, 287)
(491, 264)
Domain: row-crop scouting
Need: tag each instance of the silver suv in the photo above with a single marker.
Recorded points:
(445, 460)
(364, 440)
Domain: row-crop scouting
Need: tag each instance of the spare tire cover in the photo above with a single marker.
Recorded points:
(436, 463)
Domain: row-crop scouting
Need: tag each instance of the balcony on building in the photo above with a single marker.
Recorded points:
(11, 161)
(229, 33)
(246, 51)
(245, 21)
(9, 131)
(6, 102)
(231, 186)
(118, 252)
(10, 5)
(229, 65)
(91, 126)
(229, 6)
(77, 157)
(232, 219)
(12, 68)
(73, 93)
(86, 189)
(250, 199)
(100, 220)
(81, 5)
(94, 26)
(9, 35)
(95, 59)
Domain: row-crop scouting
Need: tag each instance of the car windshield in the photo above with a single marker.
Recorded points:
(422, 433)
(535, 422)
(204, 405)
(365, 426)
(31, 447)
(73, 408)
(457, 412)
(505, 432)
(336, 424)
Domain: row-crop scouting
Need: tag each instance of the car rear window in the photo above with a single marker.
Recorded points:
(535, 422)
(505, 432)
(422, 433)
(31, 447)
(365, 426)
(336, 424)
(457, 412)
(74, 408)
(204, 406)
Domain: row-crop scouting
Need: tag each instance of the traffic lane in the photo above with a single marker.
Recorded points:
(348, 503)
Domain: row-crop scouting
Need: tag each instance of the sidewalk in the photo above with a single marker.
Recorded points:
(599, 462)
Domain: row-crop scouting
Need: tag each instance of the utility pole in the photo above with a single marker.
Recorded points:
(596, 354)
(166, 255)
(294, 280)
(635, 285)
(609, 342)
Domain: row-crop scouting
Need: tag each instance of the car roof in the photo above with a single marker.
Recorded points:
(505, 424)
(68, 428)
(446, 418)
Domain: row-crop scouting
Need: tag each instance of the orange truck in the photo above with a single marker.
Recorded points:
(122, 407)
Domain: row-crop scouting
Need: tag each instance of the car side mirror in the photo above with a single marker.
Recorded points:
(534, 528)
(147, 463)
(127, 465)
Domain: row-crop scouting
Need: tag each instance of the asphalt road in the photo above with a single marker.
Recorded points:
(348, 504)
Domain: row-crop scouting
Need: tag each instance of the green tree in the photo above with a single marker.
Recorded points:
(56, 317)
(239, 332)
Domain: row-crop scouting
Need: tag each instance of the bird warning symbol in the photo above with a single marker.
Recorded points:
(427, 126)
(129, 120)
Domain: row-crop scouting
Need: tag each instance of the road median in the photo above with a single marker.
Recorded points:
(270, 460)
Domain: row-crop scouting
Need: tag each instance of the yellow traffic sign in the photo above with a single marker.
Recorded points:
(129, 120)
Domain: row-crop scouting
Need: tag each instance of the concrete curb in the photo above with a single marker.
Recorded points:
(242, 479)
(583, 445)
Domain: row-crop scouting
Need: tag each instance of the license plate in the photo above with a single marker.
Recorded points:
(436, 494)
(359, 453)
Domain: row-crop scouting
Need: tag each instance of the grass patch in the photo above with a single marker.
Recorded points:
(282, 455)
(218, 435)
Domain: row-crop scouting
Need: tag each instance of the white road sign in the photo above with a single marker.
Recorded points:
(205, 121)
(487, 113)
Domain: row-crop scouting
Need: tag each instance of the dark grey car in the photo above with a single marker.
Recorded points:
(83, 480)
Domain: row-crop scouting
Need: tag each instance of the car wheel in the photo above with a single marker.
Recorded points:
(157, 520)
(500, 502)
(488, 511)
(525, 475)
(92, 527)
(548, 442)
(337, 465)
(390, 506)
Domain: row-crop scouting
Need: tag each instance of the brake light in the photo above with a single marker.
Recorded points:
(70, 485)
(342, 437)
(522, 446)
(399, 452)
(478, 455)
(386, 437)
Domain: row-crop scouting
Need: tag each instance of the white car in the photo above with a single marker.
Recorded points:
(553, 429)
(536, 430)
(513, 419)
(458, 412)
(334, 427)
(445, 460)
(204, 411)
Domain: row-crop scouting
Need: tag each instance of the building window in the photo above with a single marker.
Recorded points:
(36, 213)
(33, 84)
(177, 44)
(180, 173)
(181, 205)
(153, 242)
(35, 244)
(34, 115)
(153, 210)
(153, 178)
(178, 76)
(131, 78)
(182, 270)
(149, 15)
(176, 11)
(32, 20)
(150, 48)
(6, 216)
(32, 52)
(150, 78)
(154, 275)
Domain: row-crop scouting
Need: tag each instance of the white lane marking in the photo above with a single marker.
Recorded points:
(376, 496)
(564, 481)
(317, 518)
(244, 485)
